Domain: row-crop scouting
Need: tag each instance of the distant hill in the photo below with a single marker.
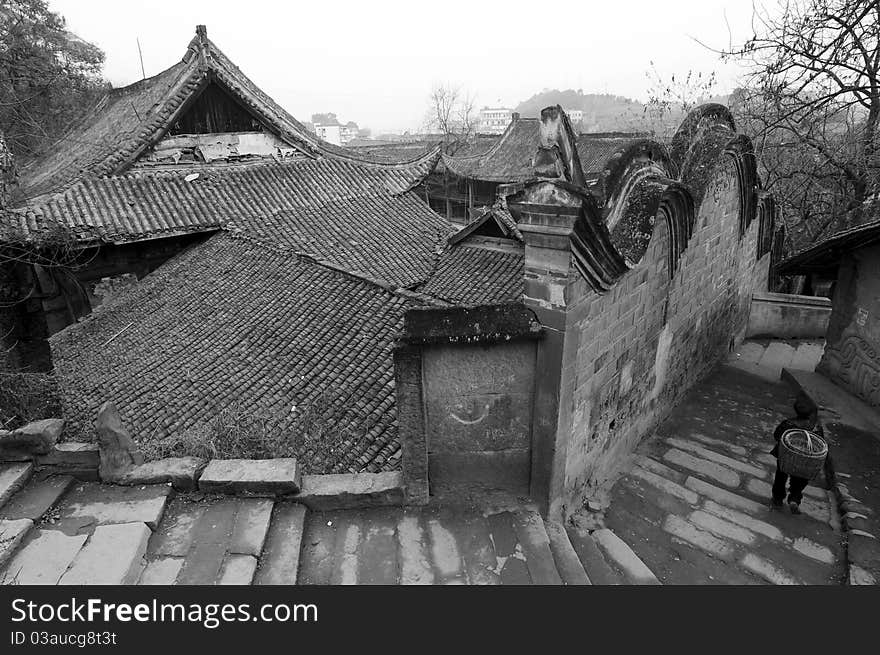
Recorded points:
(604, 112)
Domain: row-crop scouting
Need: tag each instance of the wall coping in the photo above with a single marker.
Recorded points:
(469, 323)
(317, 492)
(791, 299)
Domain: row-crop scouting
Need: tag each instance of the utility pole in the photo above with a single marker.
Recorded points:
(141, 55)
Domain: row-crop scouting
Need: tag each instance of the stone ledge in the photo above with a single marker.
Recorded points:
(791, 299)
(253, 477)
(470, 324)
(76, 458)
(351, 490)
(26, 442)
(182, 472)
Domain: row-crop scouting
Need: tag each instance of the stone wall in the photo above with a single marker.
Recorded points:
(465, 380)
(852, 350)
(631, 353)
(478, 414)
(788, 316)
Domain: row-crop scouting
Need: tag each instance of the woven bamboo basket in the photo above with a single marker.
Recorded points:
(802, 453)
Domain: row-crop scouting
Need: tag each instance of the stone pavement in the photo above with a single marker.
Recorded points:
(852, 428)
(432, 545)
(693, 505)
(766, 358)
(54, 530)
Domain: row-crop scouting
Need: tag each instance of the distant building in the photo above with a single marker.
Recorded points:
(576, 115)
(348, 132)
(330, 133)
(494, 120)
(335, 132)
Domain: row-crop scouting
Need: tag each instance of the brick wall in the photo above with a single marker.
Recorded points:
(631, 353)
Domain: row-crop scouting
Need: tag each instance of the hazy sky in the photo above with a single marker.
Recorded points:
(375, 61)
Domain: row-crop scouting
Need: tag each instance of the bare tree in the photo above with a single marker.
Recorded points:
(451, 112)
(670, 100)
(811, 102)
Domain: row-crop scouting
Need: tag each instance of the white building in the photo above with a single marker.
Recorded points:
(494, 120)
(330, 133)
(336, 133)
(575, 115)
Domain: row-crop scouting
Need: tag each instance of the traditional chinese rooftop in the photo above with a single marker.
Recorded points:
(315, 253)
(129, 122)
(510, 159)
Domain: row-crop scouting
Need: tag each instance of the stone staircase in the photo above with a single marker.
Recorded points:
(60, 530)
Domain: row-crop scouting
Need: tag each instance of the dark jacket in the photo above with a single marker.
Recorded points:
(811, 423)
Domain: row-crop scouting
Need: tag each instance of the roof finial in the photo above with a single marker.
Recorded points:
(203, 47)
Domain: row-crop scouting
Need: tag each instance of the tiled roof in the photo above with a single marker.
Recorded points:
(296, 298)
(855, 230)
(129, 120)
(478, 275)
(106, 134)
(510, 159)
(393, 151)
(595, 149)
(232, 320)
(497, 212)
(358, 216)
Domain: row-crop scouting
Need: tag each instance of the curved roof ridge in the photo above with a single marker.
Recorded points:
(495, 146)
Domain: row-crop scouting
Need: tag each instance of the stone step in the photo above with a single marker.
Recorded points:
(570, 568)
(91, 504)
(251, 526)
(413, 552)
(209, 542)
(512, 568)
(36, 498)
(377, 551)
(13, 477)
(536, 547)
(161, 571)
(12, 532)
(258, 477)
(279, 564)
(724, 460)
(777, 355)
(113, 555)
(616, 550)
(42, 558)
(807, 356)
(237, 570)
(78, 459)
(598, 570)
(706, 468)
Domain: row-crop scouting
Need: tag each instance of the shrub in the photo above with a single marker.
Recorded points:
(27, 396)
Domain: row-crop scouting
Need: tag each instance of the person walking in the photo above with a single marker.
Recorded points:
(806, 418)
